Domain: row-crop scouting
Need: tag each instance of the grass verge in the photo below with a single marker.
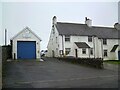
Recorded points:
(113, 61)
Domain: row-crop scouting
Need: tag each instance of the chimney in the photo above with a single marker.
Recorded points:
(54, 20)
(88, 21)
(117, 26)
(5, 37)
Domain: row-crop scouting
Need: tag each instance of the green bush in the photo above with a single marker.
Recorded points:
(94, 62)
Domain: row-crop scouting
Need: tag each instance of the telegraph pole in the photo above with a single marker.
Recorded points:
(5, 37)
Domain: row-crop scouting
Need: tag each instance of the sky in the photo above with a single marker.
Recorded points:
(14, 16)
(119, 12)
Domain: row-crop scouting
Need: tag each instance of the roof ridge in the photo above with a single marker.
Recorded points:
(102, 27)
(85, 24)
(71, 23)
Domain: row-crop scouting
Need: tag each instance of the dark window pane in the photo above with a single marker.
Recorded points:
(105, 41)
(67, 38)
(83, 51)
(89, 38)
(105, 53)
(91, 51)
(67, 51)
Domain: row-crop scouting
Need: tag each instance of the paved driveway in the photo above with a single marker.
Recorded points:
(53, 73)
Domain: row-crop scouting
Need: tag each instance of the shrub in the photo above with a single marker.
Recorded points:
(94, 62)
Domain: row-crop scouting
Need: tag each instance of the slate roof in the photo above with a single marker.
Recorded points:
(82, 45)
(83, 30)
(114, 48)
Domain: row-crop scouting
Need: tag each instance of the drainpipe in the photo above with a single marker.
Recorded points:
(89, 52)
(5, 37)
(94, 45)
(102, 48)
(62, 45)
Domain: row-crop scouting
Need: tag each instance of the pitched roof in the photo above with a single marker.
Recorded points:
(84, 30)
(114, 48)
(82, 45)
(24, 30)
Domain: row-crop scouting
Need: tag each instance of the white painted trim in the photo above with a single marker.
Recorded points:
(24, 30)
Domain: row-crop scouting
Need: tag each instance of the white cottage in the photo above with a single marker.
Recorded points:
(84, 40)
(26, 45)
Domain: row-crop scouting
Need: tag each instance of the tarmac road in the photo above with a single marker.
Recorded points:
(53, 73)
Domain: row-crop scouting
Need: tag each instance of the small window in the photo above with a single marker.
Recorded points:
(105, 41)
(89, 38)
(83, 51)
(67, 51)
(67, 38)
(105, 53)
(53, 31)
(61, 52)
(91, 51)
(56, 39)
(56, 49)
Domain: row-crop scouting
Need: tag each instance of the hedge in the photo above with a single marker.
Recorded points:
(93, 62)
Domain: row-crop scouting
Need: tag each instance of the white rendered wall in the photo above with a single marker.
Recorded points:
(53, 44)
(109, 46)
(96, 44)
(21, 37)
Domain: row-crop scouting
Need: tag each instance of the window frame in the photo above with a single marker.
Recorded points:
(90, 39)
(67, 38)
(104, 41)
(84, 51)
(91, 51)
(61, 52)
(56, 40)
(105, 53)
(67, 51)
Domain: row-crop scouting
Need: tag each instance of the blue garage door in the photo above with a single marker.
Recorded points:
(26, 49)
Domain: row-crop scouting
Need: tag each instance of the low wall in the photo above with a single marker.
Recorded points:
(6, 53)
(93, 62)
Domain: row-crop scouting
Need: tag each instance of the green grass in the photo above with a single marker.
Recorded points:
(113, 61)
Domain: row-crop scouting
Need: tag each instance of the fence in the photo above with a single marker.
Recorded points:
(93, 62)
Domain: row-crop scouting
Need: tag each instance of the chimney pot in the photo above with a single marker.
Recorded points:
(54, 20)
(117, 26)
(88, 21)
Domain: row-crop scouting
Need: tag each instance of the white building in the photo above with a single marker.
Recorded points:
(84, 40)
(26, 45)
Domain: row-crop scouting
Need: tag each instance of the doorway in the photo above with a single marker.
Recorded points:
(76, 53)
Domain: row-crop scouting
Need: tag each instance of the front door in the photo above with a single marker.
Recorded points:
(76, 53)
(53, 53)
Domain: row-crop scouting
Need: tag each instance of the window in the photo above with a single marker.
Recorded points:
(105, 53)
(53, 29)
(91, 51)
(105, 41)
(83, 51)
(61, 52)
(67, 38)
(67, 51)
(89, 38)
(56, 39)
